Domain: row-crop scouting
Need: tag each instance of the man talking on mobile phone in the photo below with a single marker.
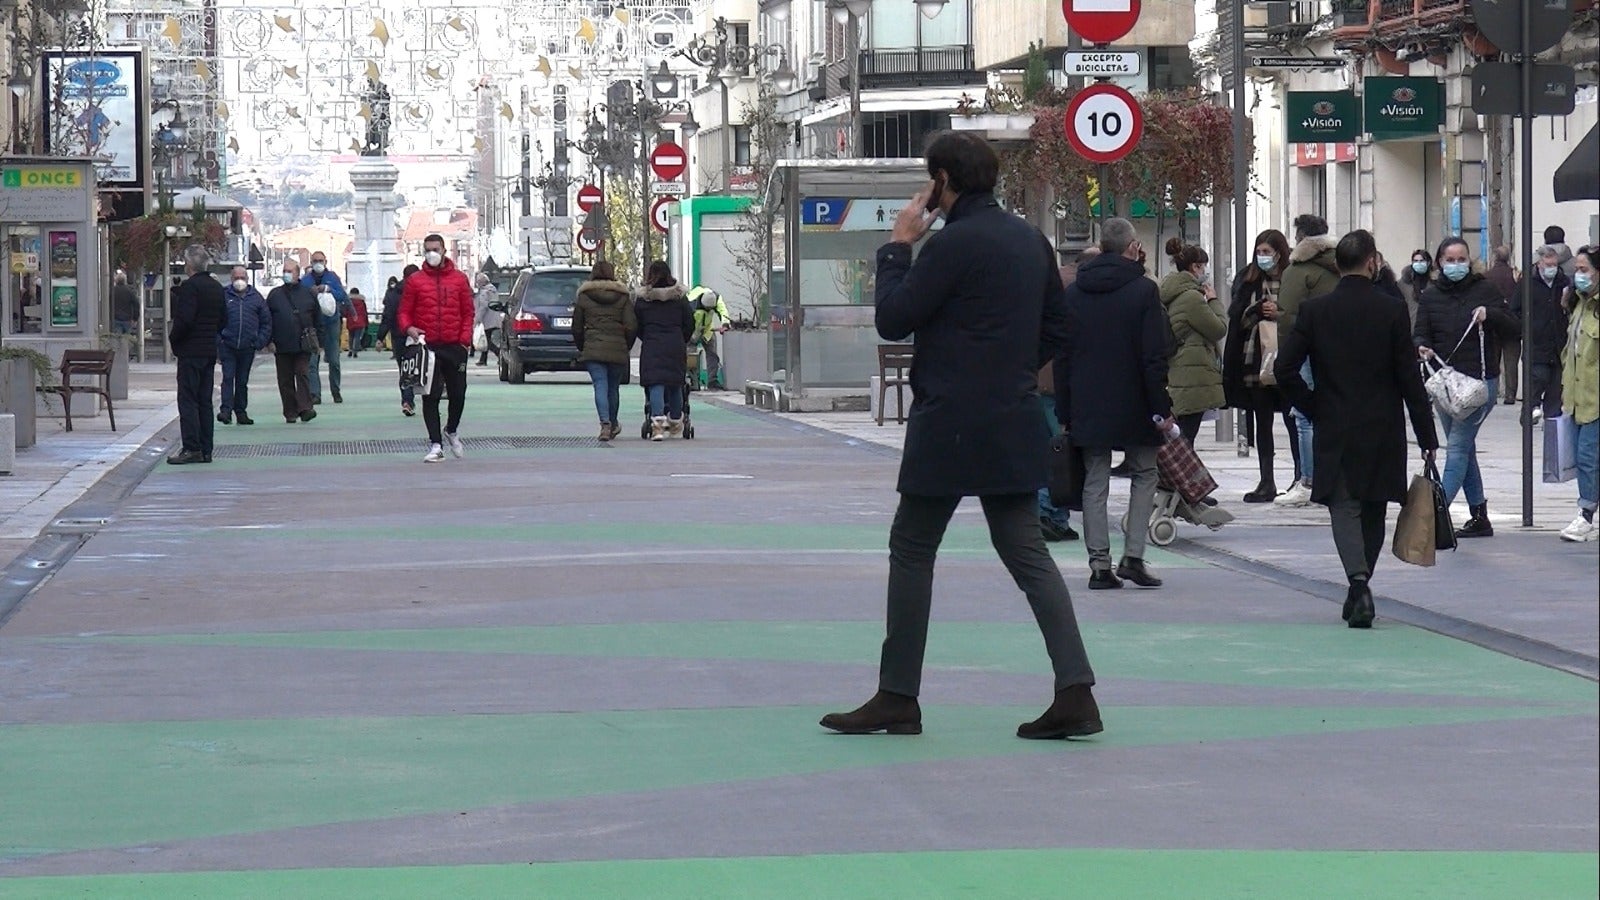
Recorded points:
(986, 306)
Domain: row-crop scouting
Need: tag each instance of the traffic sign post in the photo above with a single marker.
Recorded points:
(668, 161)
(658, 212)
(588, 241)
(1104, 123)
(1101, 21)
(589, 197)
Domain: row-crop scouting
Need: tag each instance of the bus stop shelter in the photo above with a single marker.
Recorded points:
(832, 216)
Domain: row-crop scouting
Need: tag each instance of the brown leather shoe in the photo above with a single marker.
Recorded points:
(887, 712)
(1073, 714)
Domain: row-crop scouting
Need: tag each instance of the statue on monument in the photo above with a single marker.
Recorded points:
(377, 99)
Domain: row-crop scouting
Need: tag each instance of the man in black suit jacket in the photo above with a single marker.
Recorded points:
(199, 310)
(985, 303)
(1365, 370)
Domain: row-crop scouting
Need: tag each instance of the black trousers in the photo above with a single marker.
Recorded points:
(294, 383)
(449, 378)
(919, 526)
(1264, 405)
(1189, 425)
(1358, 530)
(1543, 390)
(196, 414)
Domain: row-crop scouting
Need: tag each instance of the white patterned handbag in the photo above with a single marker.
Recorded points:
(1457, 393)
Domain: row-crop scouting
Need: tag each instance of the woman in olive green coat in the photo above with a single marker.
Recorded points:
(603, 328)
(1198, 321)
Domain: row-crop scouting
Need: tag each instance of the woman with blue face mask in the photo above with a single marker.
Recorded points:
(1581, 388)
(1414, 279)
(1253, 312)
(1453, 313)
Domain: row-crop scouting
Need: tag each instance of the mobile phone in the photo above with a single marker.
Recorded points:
(936, 194)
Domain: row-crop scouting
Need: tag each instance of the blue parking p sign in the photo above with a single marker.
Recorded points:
(823, 211)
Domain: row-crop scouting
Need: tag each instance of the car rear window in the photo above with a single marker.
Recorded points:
(552, 289)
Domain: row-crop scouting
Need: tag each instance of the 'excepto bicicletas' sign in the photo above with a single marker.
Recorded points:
(1101, 63)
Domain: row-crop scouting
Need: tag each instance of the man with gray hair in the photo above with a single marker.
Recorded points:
(1111, 391)
(1547, 327)
(199, 311)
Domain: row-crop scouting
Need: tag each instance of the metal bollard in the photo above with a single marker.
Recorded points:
(8, 443)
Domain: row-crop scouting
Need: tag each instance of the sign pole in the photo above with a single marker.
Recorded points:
(1526, 200)
(1241, 165)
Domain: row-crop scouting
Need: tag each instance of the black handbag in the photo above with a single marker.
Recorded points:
(1444, 532)
(416, 365)
(1066, 473)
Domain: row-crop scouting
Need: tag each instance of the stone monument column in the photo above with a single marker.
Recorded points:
(376, 253)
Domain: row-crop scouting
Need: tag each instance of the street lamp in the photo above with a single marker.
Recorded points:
(931, 8)
(726, 59)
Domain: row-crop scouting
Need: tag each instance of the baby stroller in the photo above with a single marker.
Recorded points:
(691, 383)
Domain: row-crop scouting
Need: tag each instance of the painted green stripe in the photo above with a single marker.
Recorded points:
(993, 875)
(1393, 659)
(102, 785)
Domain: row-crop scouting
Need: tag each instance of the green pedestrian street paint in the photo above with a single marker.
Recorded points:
(1312, 656)
(990, 875)
(73, 787)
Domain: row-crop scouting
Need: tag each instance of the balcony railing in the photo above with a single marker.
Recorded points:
(919, 67)
(1353, 16)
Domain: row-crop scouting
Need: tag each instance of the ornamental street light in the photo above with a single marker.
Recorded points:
(850, 13)
(728, 60)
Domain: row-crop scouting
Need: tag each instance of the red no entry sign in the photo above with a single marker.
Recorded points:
(668, 161)
(1100, 21)
(1104, 123)
(589, 197)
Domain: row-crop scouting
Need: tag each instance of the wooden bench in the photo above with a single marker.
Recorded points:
(93, 363)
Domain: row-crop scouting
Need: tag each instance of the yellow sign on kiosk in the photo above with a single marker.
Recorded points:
(41, 177)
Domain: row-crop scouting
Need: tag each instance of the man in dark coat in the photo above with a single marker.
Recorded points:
(1365, 369)
(198, 314)
(1111, 390)
(296, 330)
(247, 328)
(984, 302)
(1548, 322)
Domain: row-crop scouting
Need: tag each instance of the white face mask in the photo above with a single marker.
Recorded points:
(433, 258)
(239, 284)
(291, 277)
(318, 268)
(1549, 272)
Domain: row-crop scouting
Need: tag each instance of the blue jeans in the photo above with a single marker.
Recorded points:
(1461, 451)
(330, 352)
(1303, 429)
(607, 378)
(1589, 465)
(668, 397)
(236, 365)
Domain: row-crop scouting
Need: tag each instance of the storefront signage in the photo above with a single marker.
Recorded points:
(1322, 117)
(45, 193)
(1322, 154)
(1398, 108)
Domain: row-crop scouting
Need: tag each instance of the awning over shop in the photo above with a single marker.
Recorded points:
(1578, 177)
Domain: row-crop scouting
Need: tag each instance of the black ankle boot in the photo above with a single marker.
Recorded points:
(1265, 492)
(1073, 714)
(1478, 526)
(887, 712)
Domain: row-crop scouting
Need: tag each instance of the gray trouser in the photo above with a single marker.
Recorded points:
(1097, 488)
(1358, 530)
(914, 539)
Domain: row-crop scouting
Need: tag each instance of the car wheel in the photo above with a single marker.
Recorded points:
(514, 372)
(500, 361)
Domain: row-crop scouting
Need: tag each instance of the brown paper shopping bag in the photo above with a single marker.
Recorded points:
(1413, 534)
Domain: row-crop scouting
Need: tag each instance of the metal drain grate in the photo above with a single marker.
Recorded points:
(409, 445)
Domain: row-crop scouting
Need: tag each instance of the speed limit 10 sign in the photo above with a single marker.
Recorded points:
(1104, 123)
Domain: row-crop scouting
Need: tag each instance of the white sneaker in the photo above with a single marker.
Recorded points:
(1538, 416)
(435, 454)
(1295, 497)
(1580, 530)
(457, 449)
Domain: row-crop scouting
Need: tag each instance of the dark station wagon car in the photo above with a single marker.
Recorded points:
(537, 332)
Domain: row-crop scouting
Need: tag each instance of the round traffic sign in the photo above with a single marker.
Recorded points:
(1104, 123)
(589, 197)
(668, 161)
(658, 212)
(588, 241)
(1100, 21)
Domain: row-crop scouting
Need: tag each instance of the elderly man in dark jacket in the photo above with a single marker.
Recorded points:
(198, 314)
(1366, 379)
(247, 328)
(1111, 392)
(1547, 316)
(296, 329)
(984, 302)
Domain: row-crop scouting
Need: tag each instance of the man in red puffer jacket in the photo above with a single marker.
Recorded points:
(436, 307)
